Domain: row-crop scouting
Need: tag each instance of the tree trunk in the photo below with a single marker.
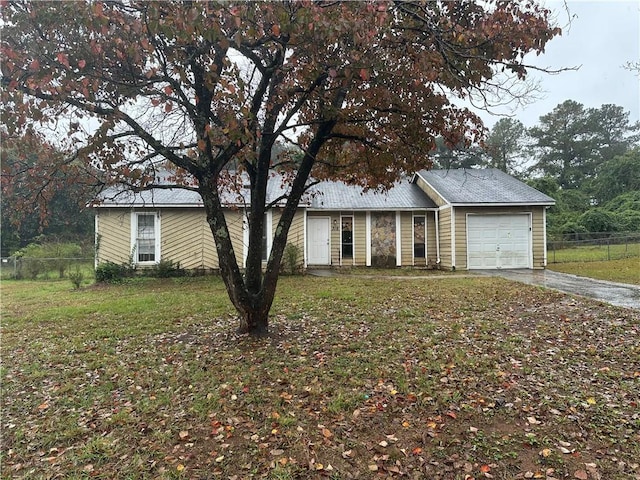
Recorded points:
(252, 294)
(254, 322)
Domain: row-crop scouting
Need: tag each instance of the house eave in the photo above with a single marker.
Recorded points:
(503, 204)
(374, 209)
(442, 197)
(176, 205)
(149, 205)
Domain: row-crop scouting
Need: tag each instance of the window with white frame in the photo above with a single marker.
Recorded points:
(347, 237)
(145, 238)
(419, 235)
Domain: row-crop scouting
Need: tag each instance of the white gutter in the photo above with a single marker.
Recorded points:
(503, 204)
(544, 236)
(368, 239)
(437, 237)
(304, 236)
(96, 241)
(398, 240)
(245, 238)
(453, 239)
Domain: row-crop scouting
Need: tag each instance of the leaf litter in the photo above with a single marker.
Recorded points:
(454, 378)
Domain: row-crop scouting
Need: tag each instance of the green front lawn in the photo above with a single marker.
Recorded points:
(626, 270)
(440, 378)
(594, 253)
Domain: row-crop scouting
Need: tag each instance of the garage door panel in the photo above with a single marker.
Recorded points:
(498, 241)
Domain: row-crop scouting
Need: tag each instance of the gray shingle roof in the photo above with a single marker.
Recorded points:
(116, 197)
(483, 187)
(180, 197)
(404, 195)
(456, 186)
(327, 195)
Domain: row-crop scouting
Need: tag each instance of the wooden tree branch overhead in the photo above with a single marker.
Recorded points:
(363, 88)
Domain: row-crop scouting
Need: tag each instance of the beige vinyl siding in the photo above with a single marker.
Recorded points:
(537, 234)
(406, 239)
(235, 219)
(114, 235)
(276, 213)
(296, 230)
(360, 239)
(432, 251)
(461, 235)
(187, 239)
(185, 236)
(444, 217)
(209, 251)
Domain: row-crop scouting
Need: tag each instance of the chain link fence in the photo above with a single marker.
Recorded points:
(594, 247)
(19, 268)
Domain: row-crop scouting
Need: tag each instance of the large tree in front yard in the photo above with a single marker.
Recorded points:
(361, 88)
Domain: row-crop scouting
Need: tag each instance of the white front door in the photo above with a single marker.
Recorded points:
(498, 241)
(318, 230)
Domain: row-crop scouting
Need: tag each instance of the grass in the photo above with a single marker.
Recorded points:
(42, 269)
(616, 263)
(626, 270)
(594, 253)
(447, 378)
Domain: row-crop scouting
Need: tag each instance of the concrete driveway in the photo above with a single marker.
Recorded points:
(619, 294)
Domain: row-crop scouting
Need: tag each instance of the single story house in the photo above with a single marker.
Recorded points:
(451, 219)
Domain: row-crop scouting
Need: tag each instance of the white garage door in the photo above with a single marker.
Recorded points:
(498, 241)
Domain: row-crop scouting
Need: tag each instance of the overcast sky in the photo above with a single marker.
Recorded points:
(600, 37)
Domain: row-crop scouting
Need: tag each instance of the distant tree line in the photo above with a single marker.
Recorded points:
(44, 197)
(587, 159)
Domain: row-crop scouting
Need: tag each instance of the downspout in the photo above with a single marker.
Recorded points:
(437, 238)
(398, 239)
(453, 239)
(96, 241)
(544, 235)
(340, 259)
(304, 236)
(367, 235)
(158, 234)
(245, 238)
(269, 226)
